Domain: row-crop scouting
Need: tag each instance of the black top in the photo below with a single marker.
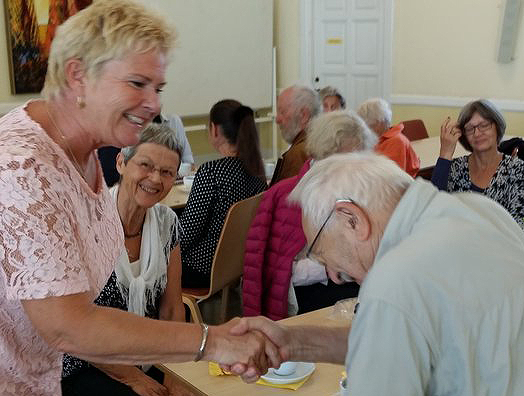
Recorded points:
(506, 187)
(217, 186)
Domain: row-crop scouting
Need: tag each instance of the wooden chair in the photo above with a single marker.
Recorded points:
(414, 130)
(228, 262)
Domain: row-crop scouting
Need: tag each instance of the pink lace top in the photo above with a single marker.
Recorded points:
(57, 237)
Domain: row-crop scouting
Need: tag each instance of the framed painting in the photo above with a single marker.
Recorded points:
(31, 26)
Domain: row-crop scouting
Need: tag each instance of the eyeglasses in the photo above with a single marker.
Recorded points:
(481, 127)
(310, 249)
(148, 167)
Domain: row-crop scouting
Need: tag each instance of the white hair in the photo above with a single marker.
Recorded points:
(372, 181)
(338, 131)
(305, 97)
(374, 111)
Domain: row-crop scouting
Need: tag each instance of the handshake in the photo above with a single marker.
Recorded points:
(249, 346)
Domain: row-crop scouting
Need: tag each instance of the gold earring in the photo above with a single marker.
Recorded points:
(80, 102)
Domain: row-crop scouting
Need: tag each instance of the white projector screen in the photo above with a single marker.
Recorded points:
(224, 50)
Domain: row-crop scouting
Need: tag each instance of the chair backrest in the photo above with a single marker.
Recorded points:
(414, 130)
(228, 262)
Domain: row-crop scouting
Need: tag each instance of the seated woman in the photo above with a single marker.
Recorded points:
(331, 99)
(276, 271)
(480, 128)
(218, 184)
(146, 280)
(391, 141)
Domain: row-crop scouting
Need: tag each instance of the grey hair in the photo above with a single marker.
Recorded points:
(305, 97)
(372, 181)
(374, 111)
(332, 91)
(487, 110)
(160, 134)
(330, 133)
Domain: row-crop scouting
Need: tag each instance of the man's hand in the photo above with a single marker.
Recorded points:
(250, 352)
(277, 335)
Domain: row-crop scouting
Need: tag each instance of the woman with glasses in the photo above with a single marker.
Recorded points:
(480, 128)
(218, 184)
(146, 280)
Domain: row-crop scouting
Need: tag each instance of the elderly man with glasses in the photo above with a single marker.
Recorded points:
(442, 292)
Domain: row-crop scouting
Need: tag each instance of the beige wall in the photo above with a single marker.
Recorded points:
(442, 49)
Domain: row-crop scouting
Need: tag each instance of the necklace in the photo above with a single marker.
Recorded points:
(74, 162)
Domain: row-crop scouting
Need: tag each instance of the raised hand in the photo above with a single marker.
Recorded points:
(449, 135)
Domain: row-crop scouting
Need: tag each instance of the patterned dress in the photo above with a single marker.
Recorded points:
(57, 237)
(506, 186)
(217, 186)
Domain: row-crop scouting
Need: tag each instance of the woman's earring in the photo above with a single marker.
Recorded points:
(80, 102)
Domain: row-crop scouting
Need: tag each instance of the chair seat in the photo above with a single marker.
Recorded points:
(199, 292)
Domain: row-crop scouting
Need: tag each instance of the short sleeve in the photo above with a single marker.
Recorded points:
(387, 353)
(39, 256)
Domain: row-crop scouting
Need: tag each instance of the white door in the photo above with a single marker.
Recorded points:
(351, 47)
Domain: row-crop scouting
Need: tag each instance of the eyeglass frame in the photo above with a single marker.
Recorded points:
(153, 168)
(470, 131)
(308, 253)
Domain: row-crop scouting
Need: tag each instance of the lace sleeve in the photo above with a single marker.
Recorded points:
(39, 253)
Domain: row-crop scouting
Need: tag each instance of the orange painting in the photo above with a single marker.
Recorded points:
(31, 26)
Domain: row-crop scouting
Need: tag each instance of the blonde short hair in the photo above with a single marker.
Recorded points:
(331, 132)
(105, 30)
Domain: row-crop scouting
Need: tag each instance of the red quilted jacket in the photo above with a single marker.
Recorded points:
(274, 239)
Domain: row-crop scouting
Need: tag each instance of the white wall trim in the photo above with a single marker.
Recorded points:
(306, 41)
(453, 101)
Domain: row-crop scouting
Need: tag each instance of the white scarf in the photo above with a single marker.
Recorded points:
(160, 225)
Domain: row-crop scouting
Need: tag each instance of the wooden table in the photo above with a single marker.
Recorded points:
(177, 197)
(324, 380)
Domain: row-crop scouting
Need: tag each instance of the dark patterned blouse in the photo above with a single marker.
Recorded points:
(217, 186)
(506, 186)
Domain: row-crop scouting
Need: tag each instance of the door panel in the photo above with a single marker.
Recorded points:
(348, 47)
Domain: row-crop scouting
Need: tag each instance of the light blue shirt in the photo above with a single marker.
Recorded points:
(442, 308)
(175, 123)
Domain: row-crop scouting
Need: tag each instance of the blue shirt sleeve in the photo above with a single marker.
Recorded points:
(440, 175)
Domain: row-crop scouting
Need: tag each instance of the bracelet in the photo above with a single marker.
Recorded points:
(205, 330)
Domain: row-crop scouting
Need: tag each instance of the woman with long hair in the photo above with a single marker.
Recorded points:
(218, 184)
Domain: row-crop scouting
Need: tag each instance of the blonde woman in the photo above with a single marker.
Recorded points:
(60, 231)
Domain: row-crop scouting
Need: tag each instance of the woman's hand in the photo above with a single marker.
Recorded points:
(146, 386)
(135, 378)
(251, 350)
(449, 135)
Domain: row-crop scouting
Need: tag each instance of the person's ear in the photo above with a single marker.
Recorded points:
(355, 219)
(305, 116)
(76, 76)
(120, 163)
(213, 129)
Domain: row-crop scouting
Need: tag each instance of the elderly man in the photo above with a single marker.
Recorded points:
(296, 106)
(331, 99)
(392, 143)
(442, 292)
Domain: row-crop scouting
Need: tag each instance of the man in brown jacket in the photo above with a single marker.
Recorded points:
(296, 106)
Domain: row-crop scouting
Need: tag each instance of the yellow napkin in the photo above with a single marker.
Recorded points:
(215, 370)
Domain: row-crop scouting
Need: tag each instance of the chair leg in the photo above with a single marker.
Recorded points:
(224, 303)
(191, 302)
